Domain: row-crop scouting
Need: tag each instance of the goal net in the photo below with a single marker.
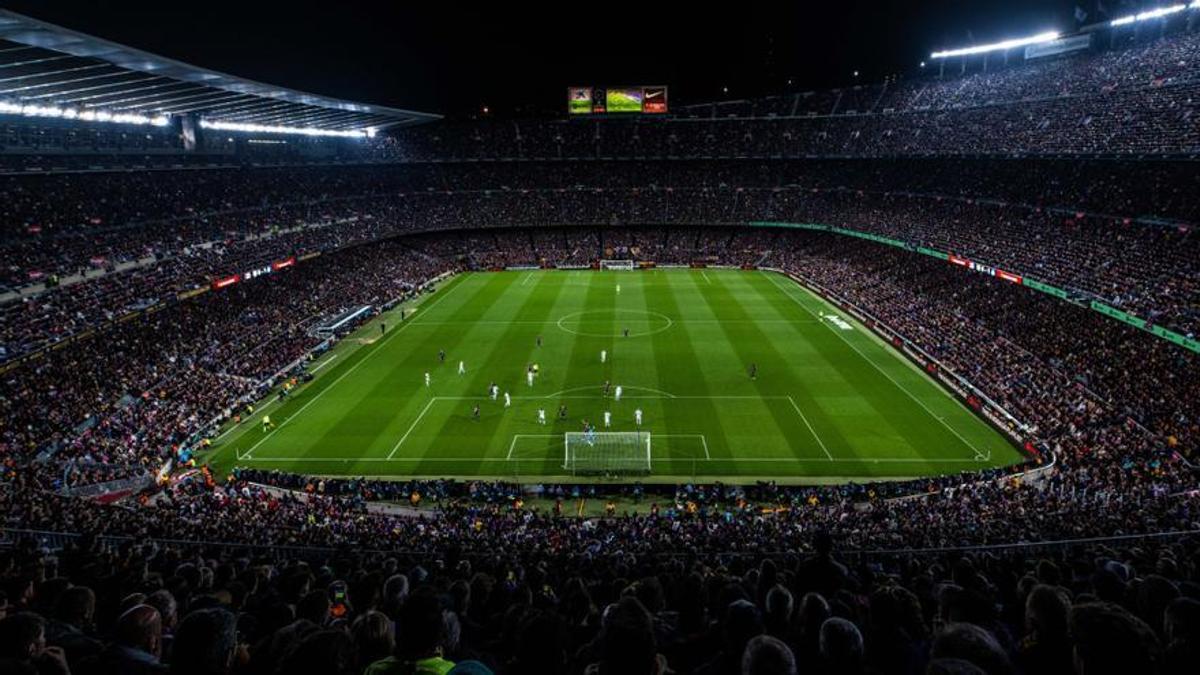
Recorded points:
(612, 452)
(616, 264)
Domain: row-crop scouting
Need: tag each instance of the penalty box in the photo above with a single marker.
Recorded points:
(683, 427)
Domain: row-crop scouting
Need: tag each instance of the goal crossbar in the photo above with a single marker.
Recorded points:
(616, 264)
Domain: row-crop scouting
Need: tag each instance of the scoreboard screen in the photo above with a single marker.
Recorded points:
(616, 100)
(624, 100)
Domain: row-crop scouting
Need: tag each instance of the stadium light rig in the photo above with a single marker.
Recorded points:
(55, 112)
(997, 46)
(268, 129)
(1152, 14)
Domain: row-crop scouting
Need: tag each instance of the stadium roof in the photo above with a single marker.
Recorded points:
(49, 66)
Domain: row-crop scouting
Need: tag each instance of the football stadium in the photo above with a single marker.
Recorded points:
(340, 341)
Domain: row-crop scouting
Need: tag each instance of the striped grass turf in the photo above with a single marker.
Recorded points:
(831, 402)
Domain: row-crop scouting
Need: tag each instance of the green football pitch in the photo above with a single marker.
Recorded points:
(831, 402)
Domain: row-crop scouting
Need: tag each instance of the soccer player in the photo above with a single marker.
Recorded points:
(441, 356)
(475, 413)
(267, 423)
(603, 355)
(529, 375)
(589, 432)
(754, 371)
(541, 416)
(607, 388)
(426, 379)
(539, 340)
(625, 332)
(617, 393)
(507, 400)
(562, 411)
(607, 419)
(618, 289)
(637, 417)
(494, 390)
(382, 327)
(462, 368)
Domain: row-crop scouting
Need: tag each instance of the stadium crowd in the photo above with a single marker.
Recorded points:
(269, 572)
(1065, 232)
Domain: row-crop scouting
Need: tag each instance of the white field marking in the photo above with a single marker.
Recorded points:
(323, 363)
(513, 445)
(560, 394)
(893, 380)
(550, 322)
(411, 427)
(341, 377)
(706, 279)
(663, 396)
(248, 419)
(759, 460)
(811, 430)
(527, 278)
(703, 441)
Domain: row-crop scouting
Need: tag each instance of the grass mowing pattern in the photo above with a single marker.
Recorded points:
(831, 402)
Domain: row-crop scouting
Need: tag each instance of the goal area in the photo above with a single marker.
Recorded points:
(606, 453)
(623, 265)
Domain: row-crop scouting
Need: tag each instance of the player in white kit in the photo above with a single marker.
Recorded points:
(637, 417)
(617, 393)
(541, 415)
(507, 400)
(529, 377)
(607, 419)
(603, 355)
(462, 368)
(426, 379)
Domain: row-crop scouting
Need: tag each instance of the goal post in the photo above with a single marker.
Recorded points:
(623, 265)
(606, 453)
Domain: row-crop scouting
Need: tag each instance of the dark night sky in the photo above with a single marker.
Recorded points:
(452, 57)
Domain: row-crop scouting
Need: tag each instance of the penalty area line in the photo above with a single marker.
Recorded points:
(341, 377)
(411, 427)
(811, 430)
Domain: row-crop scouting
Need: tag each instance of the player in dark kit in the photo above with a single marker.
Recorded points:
(754, 371)
(539, 340)
(475, 413)
(607, 387)
(382, 328)
(562, 412)
(441, 356)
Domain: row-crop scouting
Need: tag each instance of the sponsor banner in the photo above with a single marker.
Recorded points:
(308, 256)
(940, 255)
(230, 280)
(981, 268)
(1118, 314)
(646, 264)
(282, 264)
(1045, 288)
(961, 262)
(192, 293)
(1009, 276)
(256, 272)
(1178, 339)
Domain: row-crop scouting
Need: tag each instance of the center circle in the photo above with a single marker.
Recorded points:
(640, 323)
